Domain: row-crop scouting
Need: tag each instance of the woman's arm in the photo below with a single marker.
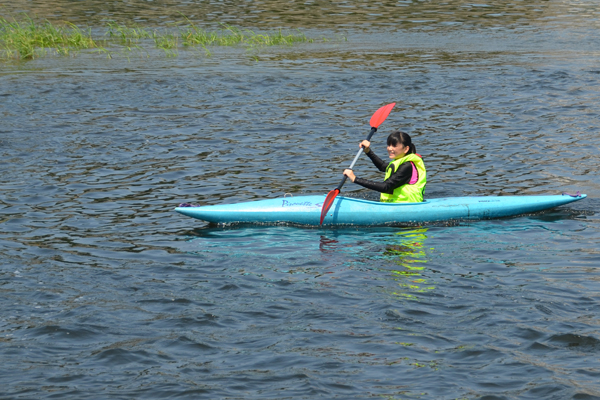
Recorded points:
(377, 162)
(398, 178)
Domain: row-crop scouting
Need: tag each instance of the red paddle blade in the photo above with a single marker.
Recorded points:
(327, 203)
(380, 115)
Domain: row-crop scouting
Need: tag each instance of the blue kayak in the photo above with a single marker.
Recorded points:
(306, 210)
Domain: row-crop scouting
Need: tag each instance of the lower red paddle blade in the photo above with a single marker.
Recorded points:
(380, 115)
(327, 203)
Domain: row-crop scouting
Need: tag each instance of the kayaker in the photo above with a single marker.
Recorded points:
(405, 175)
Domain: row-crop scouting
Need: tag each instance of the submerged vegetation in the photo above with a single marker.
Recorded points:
(27, 39)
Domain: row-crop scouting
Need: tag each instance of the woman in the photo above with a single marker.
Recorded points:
(405, 175)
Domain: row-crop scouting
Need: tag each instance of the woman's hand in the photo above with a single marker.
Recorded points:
(350, 174)
(365, 144)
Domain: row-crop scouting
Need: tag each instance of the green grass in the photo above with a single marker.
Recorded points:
(231, 36)
(27, 39)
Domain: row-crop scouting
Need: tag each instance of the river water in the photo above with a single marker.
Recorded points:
(106, 292)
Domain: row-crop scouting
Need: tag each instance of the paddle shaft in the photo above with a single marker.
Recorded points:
(373, 130)
(376, 120)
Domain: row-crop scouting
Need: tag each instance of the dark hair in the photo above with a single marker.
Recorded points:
(404, 138)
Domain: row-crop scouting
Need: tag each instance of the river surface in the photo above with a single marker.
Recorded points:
(106, 292)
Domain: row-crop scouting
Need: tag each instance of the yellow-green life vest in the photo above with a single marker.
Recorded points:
(411, 193)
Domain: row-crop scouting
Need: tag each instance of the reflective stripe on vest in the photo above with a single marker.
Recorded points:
(410, 192)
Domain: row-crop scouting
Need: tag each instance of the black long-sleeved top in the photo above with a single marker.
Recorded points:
(398, 178)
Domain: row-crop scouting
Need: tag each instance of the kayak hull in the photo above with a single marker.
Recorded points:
(306, 210)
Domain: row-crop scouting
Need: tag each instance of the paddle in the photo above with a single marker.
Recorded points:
(376, 120)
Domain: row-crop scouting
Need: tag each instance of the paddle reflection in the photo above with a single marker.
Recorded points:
(326, 244)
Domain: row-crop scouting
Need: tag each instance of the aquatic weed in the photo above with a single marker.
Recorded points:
(25, 39)
(126, 35)
(231, 36)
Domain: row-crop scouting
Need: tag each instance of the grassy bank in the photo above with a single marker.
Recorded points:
(24, 38)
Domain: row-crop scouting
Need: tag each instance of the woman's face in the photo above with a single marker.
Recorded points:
(397, 151)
